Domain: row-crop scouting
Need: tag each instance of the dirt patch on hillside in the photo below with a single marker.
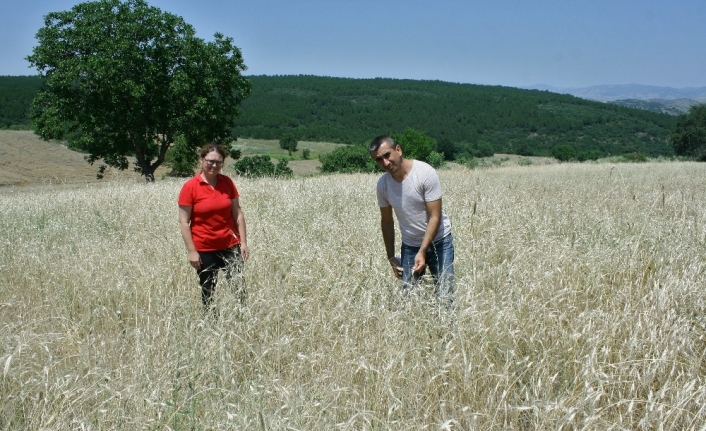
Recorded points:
(26, 159)
(304, 168)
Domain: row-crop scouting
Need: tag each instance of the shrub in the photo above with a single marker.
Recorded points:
(636, 157)
(436, 159)
(464, 158)
(348, 159)
(261, 166)
(564, 152)
(500, 161)
(306, 154)
(589, 155)
(484, 149)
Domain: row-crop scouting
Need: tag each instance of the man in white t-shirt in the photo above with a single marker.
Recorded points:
(412, 189)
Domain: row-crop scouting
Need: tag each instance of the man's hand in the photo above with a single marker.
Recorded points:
(420, 263)
(396, 266)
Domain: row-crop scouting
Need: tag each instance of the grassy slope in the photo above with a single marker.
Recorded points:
(25, 159)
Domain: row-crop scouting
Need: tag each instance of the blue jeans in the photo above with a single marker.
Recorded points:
(440, 261)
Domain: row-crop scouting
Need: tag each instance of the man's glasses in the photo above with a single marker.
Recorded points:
(214, 162)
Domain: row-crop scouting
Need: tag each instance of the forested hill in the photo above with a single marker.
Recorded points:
(16, 94)
(459, 116)
(528, 122)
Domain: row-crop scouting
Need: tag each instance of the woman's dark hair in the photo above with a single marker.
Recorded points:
(213, 147)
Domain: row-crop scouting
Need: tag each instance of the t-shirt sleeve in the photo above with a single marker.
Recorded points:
(432, 186)
(381, 195)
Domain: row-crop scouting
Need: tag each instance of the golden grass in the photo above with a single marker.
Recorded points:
(580, 305)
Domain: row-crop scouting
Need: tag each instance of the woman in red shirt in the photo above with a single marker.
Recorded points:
(212, 223)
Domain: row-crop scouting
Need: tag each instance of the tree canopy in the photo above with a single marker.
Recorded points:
(125, 79)
(689, 134)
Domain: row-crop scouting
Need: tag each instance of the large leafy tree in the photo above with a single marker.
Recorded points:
(122, 78)
(689, 134)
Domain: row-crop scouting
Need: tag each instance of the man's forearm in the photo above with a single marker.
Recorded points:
(430, 233)
(388, 237)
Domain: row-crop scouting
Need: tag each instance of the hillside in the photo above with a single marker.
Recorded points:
(527, 122)
(664, 106)
(460, 117)
(16, 93)
(27, 160)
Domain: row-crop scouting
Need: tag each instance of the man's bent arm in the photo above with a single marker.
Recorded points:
(434, 212)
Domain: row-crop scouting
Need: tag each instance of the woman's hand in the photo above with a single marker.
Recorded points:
(195, 260)
(244, 251)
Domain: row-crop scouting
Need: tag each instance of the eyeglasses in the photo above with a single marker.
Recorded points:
(214, 162)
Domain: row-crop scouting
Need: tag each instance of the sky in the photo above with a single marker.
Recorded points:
(516, 43)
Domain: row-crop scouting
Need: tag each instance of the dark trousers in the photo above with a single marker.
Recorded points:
(230, 261)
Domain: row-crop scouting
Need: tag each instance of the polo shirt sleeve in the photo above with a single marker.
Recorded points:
(232, 189)
(186, 195)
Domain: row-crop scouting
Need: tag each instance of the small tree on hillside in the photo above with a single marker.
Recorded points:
(122, 78)
(288, 143)
(689, 135)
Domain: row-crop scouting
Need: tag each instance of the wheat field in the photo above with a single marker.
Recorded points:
(580, 304)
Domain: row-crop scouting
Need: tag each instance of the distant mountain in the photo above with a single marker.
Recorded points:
(662, 106)
(664, 100)
(609, 93)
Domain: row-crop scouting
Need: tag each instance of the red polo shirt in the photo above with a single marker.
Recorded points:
(212, 225)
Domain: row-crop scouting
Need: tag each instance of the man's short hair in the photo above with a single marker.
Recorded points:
(375, 145)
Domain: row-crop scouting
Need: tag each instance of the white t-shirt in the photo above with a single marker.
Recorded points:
(408, 199)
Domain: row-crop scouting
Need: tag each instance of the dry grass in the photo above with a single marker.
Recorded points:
(580, 305)
(27, 160)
